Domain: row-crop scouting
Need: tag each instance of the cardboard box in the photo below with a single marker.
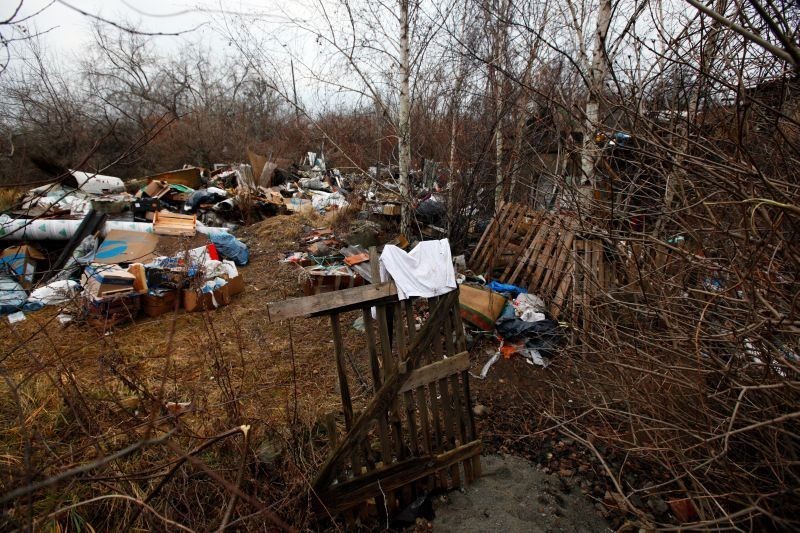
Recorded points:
(159, 303)
(480, 307)
(236, 285)
(156, 189)
(105, 313)
(20, 262)
(144, 209)
(194, 300)
(392, 209)
(107, 280)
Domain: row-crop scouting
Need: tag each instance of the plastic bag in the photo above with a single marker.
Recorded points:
(496, 286)
(231, 247)
(12, 296)
(55, 293)
(83, 254)
(542, 336)
(529, 307)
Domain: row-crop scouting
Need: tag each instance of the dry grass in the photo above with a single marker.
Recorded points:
(10, 196)
(74, 395)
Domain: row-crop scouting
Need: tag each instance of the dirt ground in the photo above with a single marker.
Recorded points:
(515, 497)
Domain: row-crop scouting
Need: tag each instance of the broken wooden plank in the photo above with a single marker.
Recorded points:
(344, 495)
(362, 269)
(344, 388)
(435, 371)
(337, 301)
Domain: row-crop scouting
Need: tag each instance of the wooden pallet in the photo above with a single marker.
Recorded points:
(417, 433)
(542, 254)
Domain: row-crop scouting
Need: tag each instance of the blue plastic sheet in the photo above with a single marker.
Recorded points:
(515, 291)
(230, 247)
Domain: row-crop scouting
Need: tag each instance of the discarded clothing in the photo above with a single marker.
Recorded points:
(425, 271)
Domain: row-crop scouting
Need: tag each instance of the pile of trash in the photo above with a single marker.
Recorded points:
(381, 195)
(519, 321)
(93, 237)
(326, 264)
(226, 196)
(106, 276)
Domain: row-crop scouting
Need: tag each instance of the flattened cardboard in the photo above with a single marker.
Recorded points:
(122, 246)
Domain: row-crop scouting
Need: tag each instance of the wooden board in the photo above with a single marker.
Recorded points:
(338, 301)
(435, 371)
(391, 477)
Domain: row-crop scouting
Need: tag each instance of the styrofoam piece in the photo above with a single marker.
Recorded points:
(97, 183)
(63, 229)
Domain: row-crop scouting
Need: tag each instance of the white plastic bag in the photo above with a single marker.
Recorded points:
(55, 293)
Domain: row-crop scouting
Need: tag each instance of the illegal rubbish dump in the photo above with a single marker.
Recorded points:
(427, 322)
(318, 269)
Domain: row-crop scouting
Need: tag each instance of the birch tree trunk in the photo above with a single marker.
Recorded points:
(497, 81)
(597, 76)
(454, 105)
(404, 127)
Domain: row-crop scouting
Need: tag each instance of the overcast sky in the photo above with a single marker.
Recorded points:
(68, 32)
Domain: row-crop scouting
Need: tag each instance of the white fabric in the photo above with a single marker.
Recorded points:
(425, 271)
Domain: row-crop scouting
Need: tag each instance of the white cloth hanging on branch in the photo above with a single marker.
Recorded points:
(425, 271)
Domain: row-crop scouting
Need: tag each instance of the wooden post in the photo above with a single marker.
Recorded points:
(338, 344)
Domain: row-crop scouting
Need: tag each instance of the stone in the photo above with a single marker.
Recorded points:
(657, 505)
(480, 410)
(270, 450)
(363, 233)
